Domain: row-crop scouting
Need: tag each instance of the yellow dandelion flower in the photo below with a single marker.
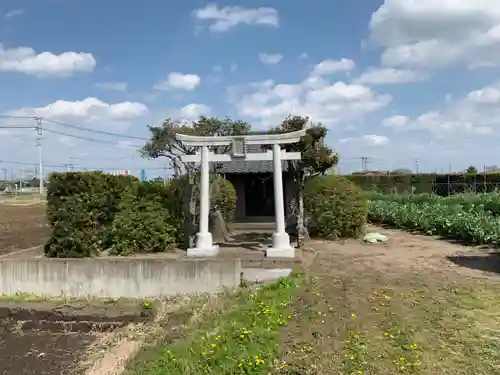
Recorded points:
(354, 315)
(213, 345)
(414, 346)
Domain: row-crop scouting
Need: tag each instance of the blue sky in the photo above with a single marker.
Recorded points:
(394, 80)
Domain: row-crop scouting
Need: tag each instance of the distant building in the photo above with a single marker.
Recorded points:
(125, 172)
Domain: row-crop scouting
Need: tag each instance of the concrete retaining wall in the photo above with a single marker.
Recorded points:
(133, 278)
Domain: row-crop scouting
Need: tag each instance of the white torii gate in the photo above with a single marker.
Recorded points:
(281, 247)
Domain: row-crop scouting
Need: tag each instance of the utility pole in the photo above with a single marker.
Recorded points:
(364, 164)
(4, 178)
(40, 154)
(71, 165)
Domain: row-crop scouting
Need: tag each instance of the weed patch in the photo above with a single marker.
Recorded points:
(243, 338)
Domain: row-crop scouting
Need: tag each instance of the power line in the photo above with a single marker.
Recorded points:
(83, 138)
(77, 127)
(79, 167)
(28, 163)
(93, 130)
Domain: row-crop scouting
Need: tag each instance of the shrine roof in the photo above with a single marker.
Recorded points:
(244, 166)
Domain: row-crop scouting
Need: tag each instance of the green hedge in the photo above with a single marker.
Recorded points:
(92, 212)
(335, 207)
(81, 208)
(144, 222)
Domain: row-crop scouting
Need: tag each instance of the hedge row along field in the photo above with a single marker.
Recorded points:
(441, 184)
(92, 213)
(456, 221)
(489, 203)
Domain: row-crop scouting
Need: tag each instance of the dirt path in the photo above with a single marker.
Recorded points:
(416, 253)
(413, 305)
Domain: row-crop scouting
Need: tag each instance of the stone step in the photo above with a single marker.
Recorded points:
(256, 227)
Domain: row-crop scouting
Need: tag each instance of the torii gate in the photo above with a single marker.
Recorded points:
(281, 247)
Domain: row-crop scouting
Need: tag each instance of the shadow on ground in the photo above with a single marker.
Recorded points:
(488, 263)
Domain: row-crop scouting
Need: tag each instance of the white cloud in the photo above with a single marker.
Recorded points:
(233, 67)
(270, 58)
(14, 13)
(45, 64)
(476, 113)
(487, 95)
(396, 122)
(433, 34)
(389, 76)
(369, 140)
(179, 81)
(114, 86)
(226, 18)
(86, 110)
(267, 102)
(327, 67)
(191, 112)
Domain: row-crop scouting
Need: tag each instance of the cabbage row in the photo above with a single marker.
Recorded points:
(488, 203)
(434, 218)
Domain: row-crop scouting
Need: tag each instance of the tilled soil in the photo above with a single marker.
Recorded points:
(22, 226)
(47, 338)
(42, 353)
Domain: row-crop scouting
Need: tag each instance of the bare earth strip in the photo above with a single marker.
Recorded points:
(22, 227)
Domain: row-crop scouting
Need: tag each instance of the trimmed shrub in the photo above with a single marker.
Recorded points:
(144, 223)
(91, 212)
(335, 207)
(80, 209)
(222, 197)
(186, 190)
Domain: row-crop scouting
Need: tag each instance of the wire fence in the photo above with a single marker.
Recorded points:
(443, 185)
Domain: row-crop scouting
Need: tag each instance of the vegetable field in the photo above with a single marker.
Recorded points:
(473, 219)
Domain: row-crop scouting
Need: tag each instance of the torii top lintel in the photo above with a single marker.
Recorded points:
(252, 139)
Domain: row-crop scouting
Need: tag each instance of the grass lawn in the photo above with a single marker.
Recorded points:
(240, 336)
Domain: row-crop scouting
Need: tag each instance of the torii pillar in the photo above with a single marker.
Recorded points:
(281, 247)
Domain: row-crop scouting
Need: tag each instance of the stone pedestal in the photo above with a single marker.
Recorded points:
(204, 246)
(281, 247)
